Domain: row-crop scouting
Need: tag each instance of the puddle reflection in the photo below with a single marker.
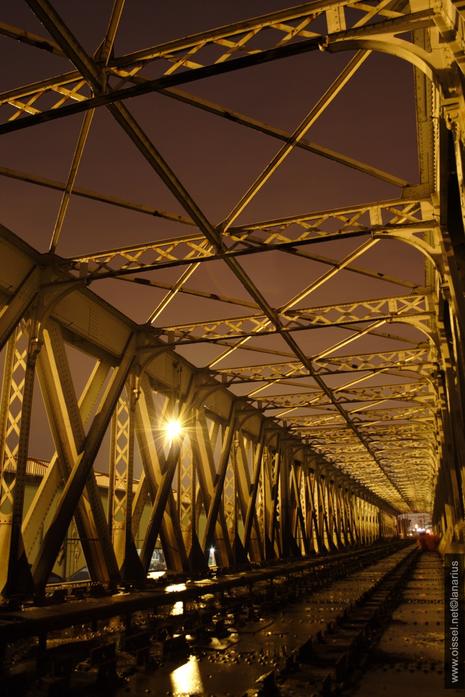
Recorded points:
(186, 679)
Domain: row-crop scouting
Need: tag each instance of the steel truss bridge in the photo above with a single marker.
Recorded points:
(283, 453)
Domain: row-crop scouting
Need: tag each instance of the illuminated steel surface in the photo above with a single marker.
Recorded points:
(311, 354)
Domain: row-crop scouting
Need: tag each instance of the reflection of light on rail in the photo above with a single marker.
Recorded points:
(178, 608)
(175, 587)
(156, 574)
(186, 679)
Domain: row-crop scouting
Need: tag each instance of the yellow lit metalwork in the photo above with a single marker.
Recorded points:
(369, 434)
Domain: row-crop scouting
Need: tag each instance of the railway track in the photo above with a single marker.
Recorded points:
(409, 657)
(330, 660)
(261, 632)
(309, 648)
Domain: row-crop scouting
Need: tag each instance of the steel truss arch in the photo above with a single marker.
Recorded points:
(344, 440)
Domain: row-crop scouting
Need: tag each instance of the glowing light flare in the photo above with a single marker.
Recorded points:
(173, 429)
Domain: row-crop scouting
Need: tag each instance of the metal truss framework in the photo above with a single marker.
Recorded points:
(354, 438)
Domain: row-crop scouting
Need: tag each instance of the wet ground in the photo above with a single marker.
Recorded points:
(227, 661)
(409, 657)
(229, 667)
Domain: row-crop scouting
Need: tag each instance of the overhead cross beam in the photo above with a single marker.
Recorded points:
(415, 359)
(180, 54)
(390, 219)
(413, 308)
(411, 391)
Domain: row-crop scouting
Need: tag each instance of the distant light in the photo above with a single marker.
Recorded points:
(173, 429)
(212, 550)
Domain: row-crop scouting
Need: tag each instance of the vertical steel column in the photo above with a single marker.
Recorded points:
(186, 492)
(363, 517)
(323, 511)
(69, 436)
(318, 544)
(359, 520)
(16, 405)
(121, 483)
(339, 513)
(154, 463)
(354, 524)
(284, 505)
(371, 519)
(52, 482)
(271, 477)
(351, 532)
(215, 503)
(452, 212)
(245, 473)
(450, 466)
(81, 469)
(118, 475)
(230, 493)
(203, 444)
(334, 514)
(254, 513)
(307, 506)
(159, 506)
(266, 504)
(274, 503)
(302, 540)
(320, 512)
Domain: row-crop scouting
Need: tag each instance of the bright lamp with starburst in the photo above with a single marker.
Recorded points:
(173, 429)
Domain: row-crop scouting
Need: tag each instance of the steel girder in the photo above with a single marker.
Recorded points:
(239, 470)
(412, 308)
(376, 29)
(255, 486)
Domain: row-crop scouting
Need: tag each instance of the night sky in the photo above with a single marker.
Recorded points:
(373, 119)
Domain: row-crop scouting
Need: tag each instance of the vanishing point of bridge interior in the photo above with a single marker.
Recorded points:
(232, 268)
